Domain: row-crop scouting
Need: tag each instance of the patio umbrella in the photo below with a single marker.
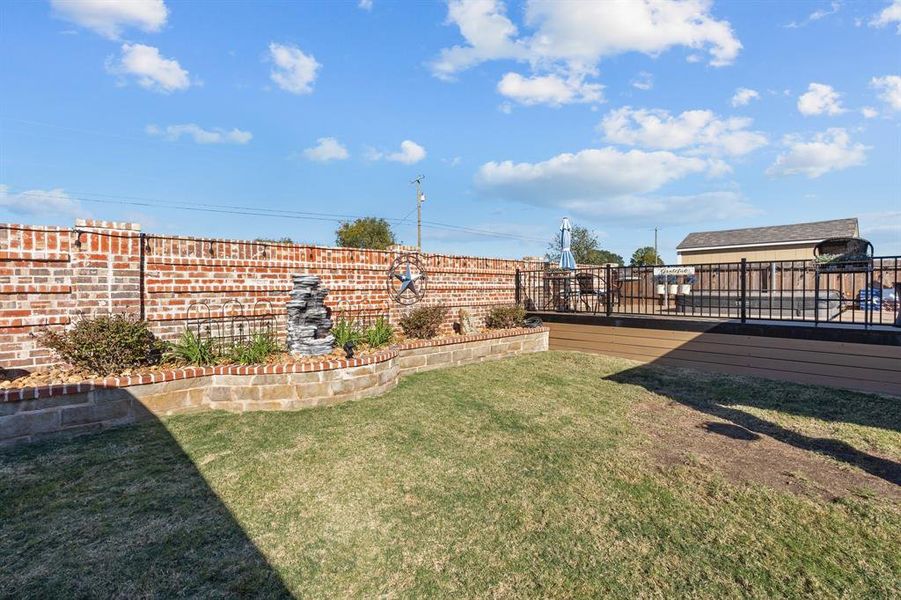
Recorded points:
(567, 260)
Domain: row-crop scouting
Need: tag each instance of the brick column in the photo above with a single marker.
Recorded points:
(106, 267)
(35, 290)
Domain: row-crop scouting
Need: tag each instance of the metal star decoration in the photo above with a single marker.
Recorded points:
(407, 281)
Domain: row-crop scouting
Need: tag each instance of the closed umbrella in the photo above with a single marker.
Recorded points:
(567, 260)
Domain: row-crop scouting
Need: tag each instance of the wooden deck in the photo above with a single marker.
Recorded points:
(855, 366)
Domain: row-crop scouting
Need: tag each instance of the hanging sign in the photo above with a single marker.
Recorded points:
(674, 271)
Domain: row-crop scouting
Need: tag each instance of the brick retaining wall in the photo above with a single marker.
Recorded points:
(33, 414)
(49, 275)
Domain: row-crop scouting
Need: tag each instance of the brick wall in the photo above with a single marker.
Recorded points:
(49, 275)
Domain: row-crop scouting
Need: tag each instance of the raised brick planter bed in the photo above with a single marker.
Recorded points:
(30, 414)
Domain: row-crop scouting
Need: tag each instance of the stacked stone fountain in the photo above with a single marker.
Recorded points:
(308, 320)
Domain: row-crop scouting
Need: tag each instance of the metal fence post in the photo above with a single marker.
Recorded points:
(517, 287)
(142, 240)
(743, 270)
(608, 296)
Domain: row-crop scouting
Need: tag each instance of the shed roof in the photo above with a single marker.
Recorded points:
(797, 232)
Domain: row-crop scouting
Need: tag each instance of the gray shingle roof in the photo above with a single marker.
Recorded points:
(798, 232)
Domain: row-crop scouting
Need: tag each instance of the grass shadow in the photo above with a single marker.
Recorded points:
(124, 513)
(731, 431)
(716, 397)
(844, 406)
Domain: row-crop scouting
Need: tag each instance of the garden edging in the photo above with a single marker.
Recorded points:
(30, 414)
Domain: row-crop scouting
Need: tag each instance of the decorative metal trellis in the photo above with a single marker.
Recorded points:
(233, 326)
(360, 317)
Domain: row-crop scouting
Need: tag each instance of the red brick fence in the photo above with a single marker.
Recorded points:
(50, 275)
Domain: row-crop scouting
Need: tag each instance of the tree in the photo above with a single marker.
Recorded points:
(603, 257)
(584, 246)
(645, 256)
(368, 232)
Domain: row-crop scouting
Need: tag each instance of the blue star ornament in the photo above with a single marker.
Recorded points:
(407, 280)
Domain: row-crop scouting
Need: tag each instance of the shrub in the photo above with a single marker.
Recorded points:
(260, 347)
(505, 317)
(346, 330)
(379, 333)
(106, 344)
(423, 322)
(191, 349)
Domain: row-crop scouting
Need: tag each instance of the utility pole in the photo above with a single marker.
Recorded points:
(656, 256)
(420, 198)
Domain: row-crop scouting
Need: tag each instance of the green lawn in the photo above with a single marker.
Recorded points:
(552, 475)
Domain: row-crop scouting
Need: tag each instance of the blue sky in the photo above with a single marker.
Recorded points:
(624, 116)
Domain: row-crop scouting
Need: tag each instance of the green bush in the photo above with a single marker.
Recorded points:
(106, 344)
(191, 349)
(423, 322)
(505, 317)
(346, 330)
(379, 333)
(260, 347)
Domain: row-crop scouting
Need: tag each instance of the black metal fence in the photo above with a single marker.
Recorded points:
(232, 324)
(807, 291)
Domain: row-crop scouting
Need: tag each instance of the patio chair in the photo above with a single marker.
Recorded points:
(589, 296)
(554, 292)
(594, 299)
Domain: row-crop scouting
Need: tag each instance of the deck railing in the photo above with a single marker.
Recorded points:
(805, 291)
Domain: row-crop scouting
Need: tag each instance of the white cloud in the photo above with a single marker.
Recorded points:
(489, 35)
(548, 89)
(820, 13)
(869, 112)
(644, 81)
(151, 70)
(365, 4)
(890, 88)
(889, 15)
(586, 175)
(109, 18)
(53, 202)
(584, 32)
(612, 184)
(827, 151)
(707, 206)
(884, 230)
(200, 135)
(743, 96)
(294, 71)
(568, 39)
(326, 149)
(698, 131)
(820, 99)
(410, 152)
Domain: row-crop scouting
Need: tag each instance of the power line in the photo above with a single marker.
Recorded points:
(245, 210)
(407, 216)
(262, 212)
